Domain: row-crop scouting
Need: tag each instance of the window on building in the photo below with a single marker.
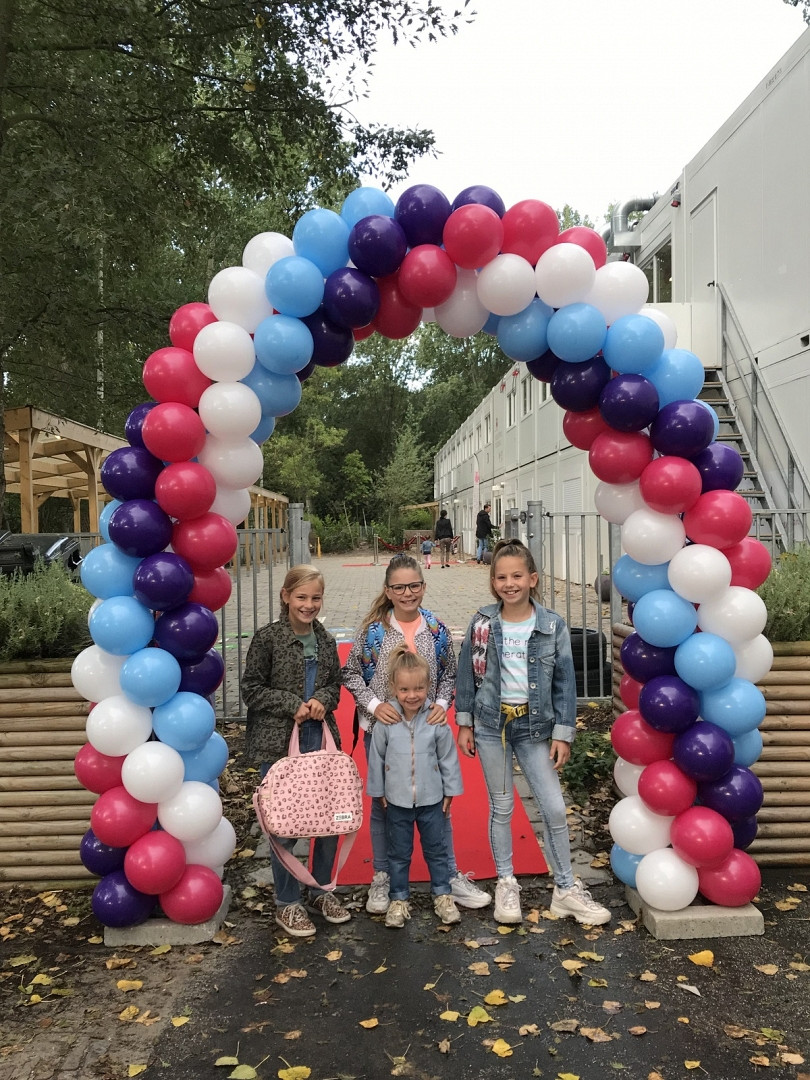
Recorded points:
(487, 429)
(478, 437)
(511, 408)
(659, 274)
(526, 401)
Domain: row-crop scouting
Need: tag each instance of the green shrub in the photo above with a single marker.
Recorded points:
(591, 763)
(786, 593)
(334, 535)
(43, 614)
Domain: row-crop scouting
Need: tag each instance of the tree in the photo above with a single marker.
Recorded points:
(804, 7)
(407, 476)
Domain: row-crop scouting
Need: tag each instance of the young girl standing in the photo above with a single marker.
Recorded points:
(516, 698)
(292, 676)
(397, 617)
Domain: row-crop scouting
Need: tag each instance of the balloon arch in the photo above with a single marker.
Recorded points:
(578, 322)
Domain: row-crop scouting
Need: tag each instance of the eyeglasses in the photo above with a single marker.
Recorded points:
(411, 586)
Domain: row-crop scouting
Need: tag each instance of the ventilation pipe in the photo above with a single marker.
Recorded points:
(624, 237)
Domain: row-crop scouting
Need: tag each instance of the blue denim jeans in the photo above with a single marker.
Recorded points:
(399, 823)
(532, 755)
(379, 844)
(481, 547)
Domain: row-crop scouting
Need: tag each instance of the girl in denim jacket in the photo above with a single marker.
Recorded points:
(516, 698)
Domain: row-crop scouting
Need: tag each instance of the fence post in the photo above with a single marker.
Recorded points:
(534, 535)
(297, 550)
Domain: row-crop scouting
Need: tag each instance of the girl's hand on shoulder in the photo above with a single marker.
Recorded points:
(466, 741)
(317, 709)
(386, 714)
(437, 715)
(559, 753)
(301, 713)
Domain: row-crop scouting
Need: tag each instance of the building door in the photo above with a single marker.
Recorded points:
(703, 292)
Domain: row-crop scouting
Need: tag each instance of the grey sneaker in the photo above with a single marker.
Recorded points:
(507, 901)
(377, 902)
(466, 894)
(579, 903)
(295, 921)
(445, 908)
(399, 911)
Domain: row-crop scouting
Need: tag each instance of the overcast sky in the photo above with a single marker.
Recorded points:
(585, 102)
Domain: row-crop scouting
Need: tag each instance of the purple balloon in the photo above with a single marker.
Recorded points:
(745, 832)
(377, 245)
(140, 528)
(736, 795)
(667, 703)
(305, 372)
(350, 297)
(704, 751)
(682, 428)
(479, 193)
(422, 211)
(629, 402)
(578, 386)
(721, 467)
(116, 903)
(332, 344)
(543, 367)
(203, 676)
(100, 859)
(163, 581)
(130, 473)
(134, 422)
(187, 631)
(643, 661)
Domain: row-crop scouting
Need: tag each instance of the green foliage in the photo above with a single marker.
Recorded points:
(334, 535)
(804, 7)
(405, 479)
(417, 519)
(42, 615)
(590, 765)
(786, 593)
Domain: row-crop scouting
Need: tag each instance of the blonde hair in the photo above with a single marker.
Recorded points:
(299, 575)
(402, 659)
(517, 550)
(381, 606)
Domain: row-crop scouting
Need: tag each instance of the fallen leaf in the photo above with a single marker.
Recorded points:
(479, 968)
(798, 966)
(227, 1061)
(567, 1076)
(647, 976)
(705, 958)
(20, 961)
(689, 989)
(178, 1021)
(291, 1035)
(379, 970)
(691, 1064)
(760, 1059)
(595, 1035)
(502, 1048)
(41, 980)
(478, 1015)
(335, 954)
(135, 1070)
(517, 998)
(573, 967)
(734, 1031)
(791, 1059)
(295, 1072)
(637, 1030)
(767, 969)
(683, 1020)
(95, 940)
(598, 982)
(147, 1019)
(160, 950)
(773, 1033)
(564, 1025)
(797, 887)
(505, 958)
(529, 1029)
(129, 1013)
(787, 905)
(372, 1023)
(285, 976)
(450, 1014)
(495, 997)
(590, 956)
(654, 1076)
(243, 1072)
(503, 930)
(444, 1046)
(533, 916)
(612, 1007)
(117, 962)
(127, 985)
(652, 1004)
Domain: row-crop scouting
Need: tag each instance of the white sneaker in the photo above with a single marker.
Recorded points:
(377, 901)
(579, 903)
(507, 901)
(445, 908)
(466, 894)
(398, 912)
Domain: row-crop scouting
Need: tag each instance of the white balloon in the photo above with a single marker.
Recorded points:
(463, 315)
(619, 288)
(667, 326)
(754, 659)
(214, 849)
(699, 572)
(152, 772)
(506, 285)
(194, 812)
(665, 881)
(233, 504)
(651, 538)
(626, 776)
(224, 352)
(264, 249)
(636, 828)
(564, 274)
(737, 614)
(616, 502)
(117, 725)
(96, 673)
(230, 410)
(237, 295)
(232, 463)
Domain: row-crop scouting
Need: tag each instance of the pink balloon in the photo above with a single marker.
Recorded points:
(634, 740)
(427, 276)
(119, 820)
(734, 883)
(670, 484)
(195, 898)
(173, 375)
(618, 457)
(206, 541)
(155, 862)
(530, 227)
(473, 235)
(173, 432)
(187, 322)
(629, 690)
(719, 518)
(185, 489)
(396, 317)
(97, 772)
(750, 562)
(581, 428)
(588, 239)
(702, 837)
(665, 789)
(212, 588)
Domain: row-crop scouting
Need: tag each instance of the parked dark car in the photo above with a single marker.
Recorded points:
(19, 552)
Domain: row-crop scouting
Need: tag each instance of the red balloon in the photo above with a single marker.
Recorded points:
(195, 898)
(629, 690)
(119, 820)
(473, 235)
(581, 428)
(396, 318)
(530, 227)
(618, 457)
(719, 518)
(588, 239)
(187, 322)
(750, 562)
(701, 836)
(670, 484)
(173, 375)
(733, 883)
(212, 588)
(173, 432)
(155, 862)
(427, 276)
(97, 772)
(206, 541)
(363, 332)
(634, 740)
(665, 789)
(185, 489)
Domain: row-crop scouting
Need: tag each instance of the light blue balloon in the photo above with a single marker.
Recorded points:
(634, 579)
(294, 286)
(491, 325)
(264, 429)
(283, 344)
(121, 625)
(322, 236)
(633, 344)
(260, 381)
(104, 518)
(663, 618)
(150, 677)
(208, 762)
(365, 201)
(737, 707)
(524, 336)
(184, 722)
(576, 332)
(705, 661)
(285, 394)
(624, 865)
(747, 748)
(677, 375)
(106, 571)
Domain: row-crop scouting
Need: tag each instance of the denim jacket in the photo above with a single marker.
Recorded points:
(552, 681)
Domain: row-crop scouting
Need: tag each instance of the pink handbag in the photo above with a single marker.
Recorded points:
(311, 795)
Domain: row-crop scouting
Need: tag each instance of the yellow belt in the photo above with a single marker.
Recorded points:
(511, 712)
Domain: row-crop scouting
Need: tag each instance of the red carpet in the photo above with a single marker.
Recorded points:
(470, 813)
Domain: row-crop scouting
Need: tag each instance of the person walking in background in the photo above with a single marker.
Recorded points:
(443, 534)
(483, 531)
(516, 699)
(397, 617)
(426, 549)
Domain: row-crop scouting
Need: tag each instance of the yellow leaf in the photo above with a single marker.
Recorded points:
(478, 1015)
(791, 1059)
(135, 1070)
(227, 1061)
(529, 1029)
(96, 940)
(590, 956)
(372, 1023)
(596, 1035)
(42, 980)
(502, 1048)
(597, 982)
(683, 1020)
(506, 930)
(691, 1064)
(573, 966)
(652, 1004)
(705, 958)
(35, 999)
(533, 916)
(444, 1046)
(147, 1019)
(335, 954)
(450, 1014)
(20, 961)
(734, 1031)
(564, 1025)
(797, 888)
(116, 962)
(612, 1007)
(127, 985)
(505, 958)
(129, 1013)
(161, 950)
(495, 997)
(471, 944)
(178, 1021)
(517, 997)
(379, 970)
(767, 969)
(243, 1072)
(72, 921)
(637, 1030)
(797, 966)
(479, 968)
(297, 1072)
(647, 976)
(567, 1076)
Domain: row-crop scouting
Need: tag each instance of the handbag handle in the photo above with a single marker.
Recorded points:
(328, 742)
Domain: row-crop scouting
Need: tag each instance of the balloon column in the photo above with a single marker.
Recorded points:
(235, 364)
